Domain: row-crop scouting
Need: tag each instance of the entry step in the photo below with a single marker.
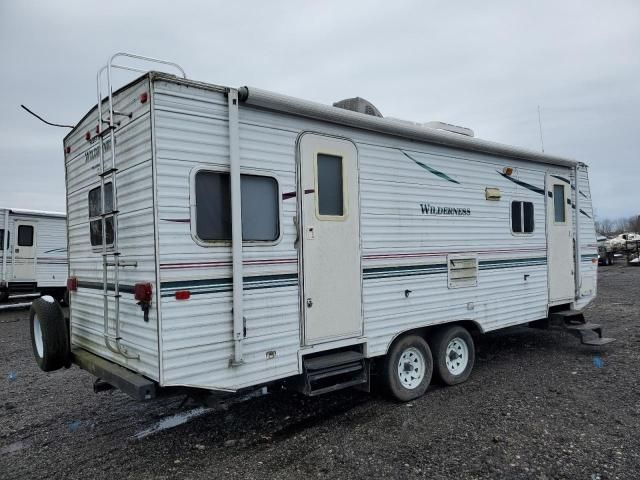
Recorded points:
(584, 326)
(332, 359)
(330, 371)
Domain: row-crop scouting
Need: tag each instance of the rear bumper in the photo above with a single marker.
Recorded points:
(131, 383)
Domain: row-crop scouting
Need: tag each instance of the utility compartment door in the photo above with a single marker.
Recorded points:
(560, 257)
(24, 251)
(330, 234)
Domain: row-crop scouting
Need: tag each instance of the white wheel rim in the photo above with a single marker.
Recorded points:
(37, 336)
(411, 368)
(457, 356)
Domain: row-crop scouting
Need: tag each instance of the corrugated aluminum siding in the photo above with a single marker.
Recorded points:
(135, 232)
(192, 132)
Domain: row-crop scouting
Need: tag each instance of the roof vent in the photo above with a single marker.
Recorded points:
(447, 127)
(358, 104)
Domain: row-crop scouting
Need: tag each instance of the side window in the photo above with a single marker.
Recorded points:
(559, 204)
(25, 236)
(2, 239)
(260, 207)
(330, 195)
(95, 220)
(522, 219)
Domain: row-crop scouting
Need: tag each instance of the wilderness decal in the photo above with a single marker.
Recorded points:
(428, 209)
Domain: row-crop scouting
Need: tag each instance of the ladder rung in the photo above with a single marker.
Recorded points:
(112, 212)
(108, 172)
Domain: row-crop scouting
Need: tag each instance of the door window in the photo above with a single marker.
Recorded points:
(330, 193)
(25, 236)
(559, 204)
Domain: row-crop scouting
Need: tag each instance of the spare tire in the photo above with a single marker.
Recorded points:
(49, 335)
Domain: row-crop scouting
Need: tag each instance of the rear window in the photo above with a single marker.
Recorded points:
(95, 218)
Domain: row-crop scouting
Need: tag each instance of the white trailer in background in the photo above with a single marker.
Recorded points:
(33, 252)
(225, 239)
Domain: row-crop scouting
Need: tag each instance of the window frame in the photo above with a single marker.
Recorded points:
(193, 215)
(98, 247)
(8, 230)
(522, 222)
(565, 199)
(345, 188)
(33, 235)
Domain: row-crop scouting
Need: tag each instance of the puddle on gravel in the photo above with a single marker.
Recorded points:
(13, 447)
(171, 422)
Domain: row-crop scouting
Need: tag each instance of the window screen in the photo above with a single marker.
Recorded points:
(95, 209)
(330, 189)
(260, 207)
(2, 239)
(558, 203)
(522, 220)
(25, 236)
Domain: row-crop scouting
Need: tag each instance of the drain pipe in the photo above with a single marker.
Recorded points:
(577, 278)
(236, 228)
(5, 246)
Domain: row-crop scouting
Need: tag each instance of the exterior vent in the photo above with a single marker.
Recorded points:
(463, 271)
(360, 105)
(447, 127)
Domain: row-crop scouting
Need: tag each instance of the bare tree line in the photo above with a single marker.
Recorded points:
(610, 227)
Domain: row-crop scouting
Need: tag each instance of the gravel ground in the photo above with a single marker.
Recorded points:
(538, 405)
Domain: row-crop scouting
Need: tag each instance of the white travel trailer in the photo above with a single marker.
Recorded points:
(33, 252)
(225, 238)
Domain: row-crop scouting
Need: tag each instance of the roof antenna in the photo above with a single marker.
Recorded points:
(43, 120)
(540, 126)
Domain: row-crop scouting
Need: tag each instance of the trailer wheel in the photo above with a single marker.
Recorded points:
(49, 337)
(408, 368)
(4, 295)
(454, 354)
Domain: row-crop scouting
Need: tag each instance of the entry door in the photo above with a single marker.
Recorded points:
(330, 229)
(560, 255)
(24, 251)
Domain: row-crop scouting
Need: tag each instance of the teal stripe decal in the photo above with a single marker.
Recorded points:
(218, 285)
(433, 269)
(429, 169)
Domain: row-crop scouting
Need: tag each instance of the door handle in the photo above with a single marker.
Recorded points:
(309, 303)
(17, 250)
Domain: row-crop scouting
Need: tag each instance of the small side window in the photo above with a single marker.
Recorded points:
(25, 236)
(522, 218)
(2, 239)
(330, 193)
(559, 204)
(260, 207)
(95, 219)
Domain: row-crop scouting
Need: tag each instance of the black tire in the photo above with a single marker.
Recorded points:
(4, 296)
(440, 342)
(49, 335)
(409, 345)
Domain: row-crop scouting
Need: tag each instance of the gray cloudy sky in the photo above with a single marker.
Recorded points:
(485, 65)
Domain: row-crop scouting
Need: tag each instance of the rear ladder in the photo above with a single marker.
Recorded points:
(113, 342)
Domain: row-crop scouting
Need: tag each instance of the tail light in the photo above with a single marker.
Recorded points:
(183, 295)
(72, 284)
(143, 292)
(144, 97)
